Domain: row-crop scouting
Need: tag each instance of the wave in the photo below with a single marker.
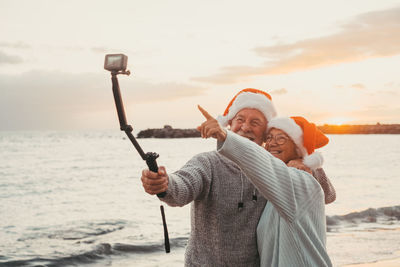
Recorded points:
(99, 252)
(179, 242)
(75, 231)
(87, 257)
(380, 218)
(383, 216)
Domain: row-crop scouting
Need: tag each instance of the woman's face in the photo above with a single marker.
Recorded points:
(279, 144)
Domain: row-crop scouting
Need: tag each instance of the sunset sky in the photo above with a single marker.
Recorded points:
(329, 61)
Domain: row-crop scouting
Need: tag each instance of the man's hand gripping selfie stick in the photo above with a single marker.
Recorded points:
(116, 63)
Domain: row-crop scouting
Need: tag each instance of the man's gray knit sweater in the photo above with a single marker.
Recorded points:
(222, 234)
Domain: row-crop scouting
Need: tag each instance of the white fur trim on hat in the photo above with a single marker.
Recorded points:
(249, 100)
(223, 120)
(290, 127)
(314, 161)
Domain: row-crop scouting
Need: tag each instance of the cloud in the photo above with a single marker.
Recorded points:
(99, 49)
(393, 85)
(358, 86)
(388, 92)
(19, 44)
(378, 113)
(54, 100)
(389, 84)
(369, 35)
(231, 74)
(281, 91)
(9, 59)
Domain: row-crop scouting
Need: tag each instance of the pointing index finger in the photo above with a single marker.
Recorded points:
(205, 113)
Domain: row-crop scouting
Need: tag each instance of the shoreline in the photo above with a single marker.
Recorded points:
(395, 262)
(364, 247)
(169, 132)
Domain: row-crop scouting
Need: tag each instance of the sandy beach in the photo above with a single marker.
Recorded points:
(386, 263)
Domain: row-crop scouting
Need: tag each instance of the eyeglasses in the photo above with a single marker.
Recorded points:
(279, 139)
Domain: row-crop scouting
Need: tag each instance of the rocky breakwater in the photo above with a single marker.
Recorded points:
(168, 132)
(361, 129)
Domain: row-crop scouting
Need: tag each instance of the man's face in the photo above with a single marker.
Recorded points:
(250, 123)
(280, 145)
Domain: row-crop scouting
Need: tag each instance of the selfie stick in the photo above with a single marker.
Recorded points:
(149, 157)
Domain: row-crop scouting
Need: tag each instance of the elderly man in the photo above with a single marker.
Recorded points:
(226, 207)
(292, 228)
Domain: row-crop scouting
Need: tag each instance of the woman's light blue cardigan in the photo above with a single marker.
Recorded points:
(292, 228)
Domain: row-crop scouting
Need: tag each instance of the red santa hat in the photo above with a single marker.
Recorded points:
(248, 98)
(305, 135)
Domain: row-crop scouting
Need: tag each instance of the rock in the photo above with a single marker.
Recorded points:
(168, 132)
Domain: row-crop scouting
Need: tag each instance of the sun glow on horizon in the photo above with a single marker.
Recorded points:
(338, 120)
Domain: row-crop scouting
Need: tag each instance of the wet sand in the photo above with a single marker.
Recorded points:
(386, 263)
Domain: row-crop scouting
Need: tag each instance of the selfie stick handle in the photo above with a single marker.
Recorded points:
(149, 157)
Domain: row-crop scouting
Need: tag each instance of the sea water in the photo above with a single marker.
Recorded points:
(75, 199)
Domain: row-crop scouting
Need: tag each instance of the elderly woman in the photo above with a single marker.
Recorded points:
(292, 228)
(299, 152)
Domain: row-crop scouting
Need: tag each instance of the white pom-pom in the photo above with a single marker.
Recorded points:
(314, 161)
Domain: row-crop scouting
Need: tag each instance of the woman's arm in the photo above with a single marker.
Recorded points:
(289, 190)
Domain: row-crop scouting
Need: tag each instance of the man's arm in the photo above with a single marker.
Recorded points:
(320, 176)
(191, 182)
(324, 181)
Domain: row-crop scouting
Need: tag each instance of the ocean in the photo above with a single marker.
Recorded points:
(75, 199)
